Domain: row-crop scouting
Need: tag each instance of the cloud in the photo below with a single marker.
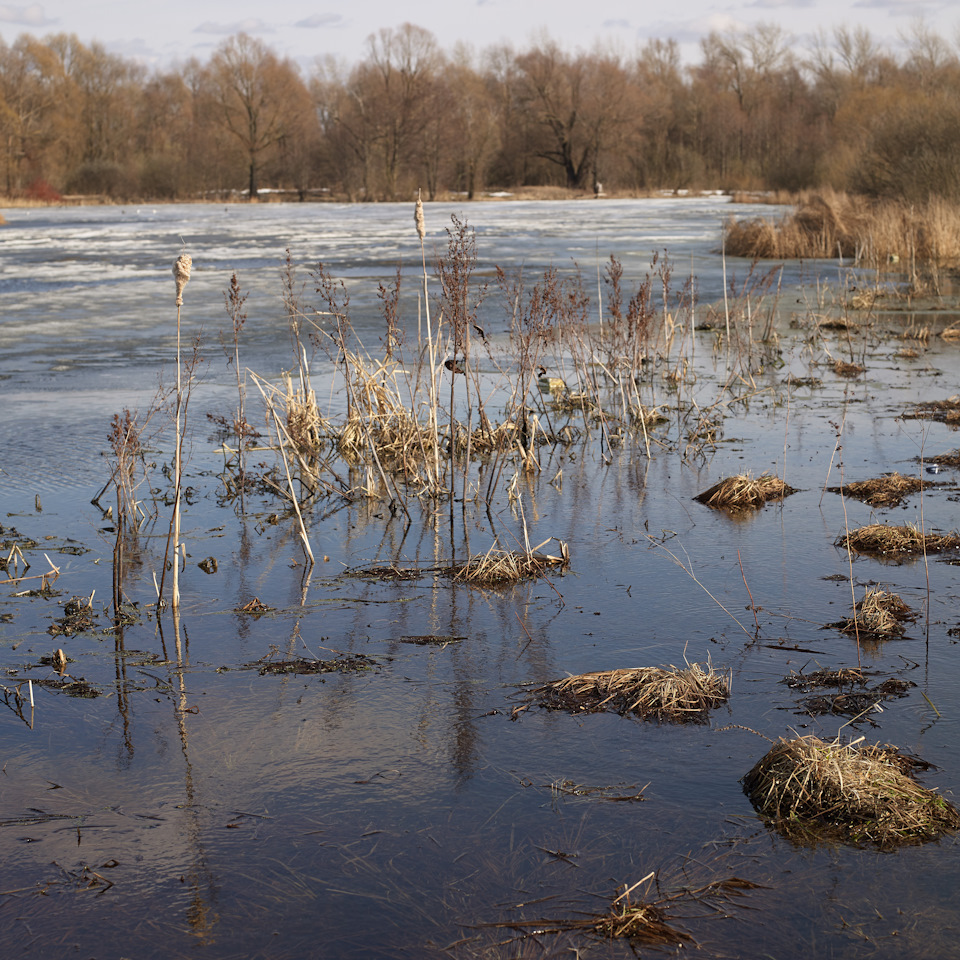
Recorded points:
(322, 20)
(616, 24)
(249, 25)
(905, 8)
(692, 31)
(31, 16)
(781, 4)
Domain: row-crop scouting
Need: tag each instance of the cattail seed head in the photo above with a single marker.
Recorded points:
(418, 217)
(181, 273)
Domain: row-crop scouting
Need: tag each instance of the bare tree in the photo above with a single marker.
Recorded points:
(260, 98)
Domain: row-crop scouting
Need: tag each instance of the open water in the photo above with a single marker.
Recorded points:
(198, 808)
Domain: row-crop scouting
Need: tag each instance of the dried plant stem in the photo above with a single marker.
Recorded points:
(293, 496)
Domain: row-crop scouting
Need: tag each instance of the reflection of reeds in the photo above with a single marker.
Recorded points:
(743, 492)
(815, 789)
(880, 539)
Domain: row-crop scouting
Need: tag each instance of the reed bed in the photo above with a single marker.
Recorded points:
(878, 614)
(885, 234)
(886, 491)
(879, 539)
(661, 693)
(818, 790)
(744, 492)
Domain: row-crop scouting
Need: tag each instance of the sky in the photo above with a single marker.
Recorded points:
(162, 35)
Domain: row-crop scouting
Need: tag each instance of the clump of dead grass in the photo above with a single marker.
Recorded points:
(497, 568)
(743, 492)
(886, 491)
(661, 693)
(818, 790)
(845, 368)
(880, 539)
(878, 614)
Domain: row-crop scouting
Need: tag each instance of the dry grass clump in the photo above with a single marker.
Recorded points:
(818, 790)
(878, 614)
(879, 539)
(743, 492)
(497, 568)
(662, 693)
(844, 368)
(886, 491)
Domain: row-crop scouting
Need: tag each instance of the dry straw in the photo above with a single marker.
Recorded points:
(878, 614)
(743, 492)
(817, 790)
(661, 693)
(879, 539)
(886, 491)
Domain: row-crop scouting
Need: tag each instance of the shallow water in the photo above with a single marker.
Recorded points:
(399, 811)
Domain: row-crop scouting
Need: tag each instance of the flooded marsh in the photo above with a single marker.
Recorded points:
(348, 757)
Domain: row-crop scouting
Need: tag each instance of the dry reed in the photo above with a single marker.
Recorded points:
(882, 233)
(743, 492)
(818, 790)
(879, 539)
(500, 567)
(662, 693)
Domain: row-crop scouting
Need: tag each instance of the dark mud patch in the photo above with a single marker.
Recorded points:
(858, 697)
(431, 640)
(306, 666)
(389, 573)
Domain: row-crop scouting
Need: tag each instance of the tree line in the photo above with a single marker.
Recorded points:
(753, 113)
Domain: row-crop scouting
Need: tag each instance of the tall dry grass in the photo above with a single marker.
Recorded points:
(875, 233)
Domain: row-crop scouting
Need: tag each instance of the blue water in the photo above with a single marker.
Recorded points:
(399, 812)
